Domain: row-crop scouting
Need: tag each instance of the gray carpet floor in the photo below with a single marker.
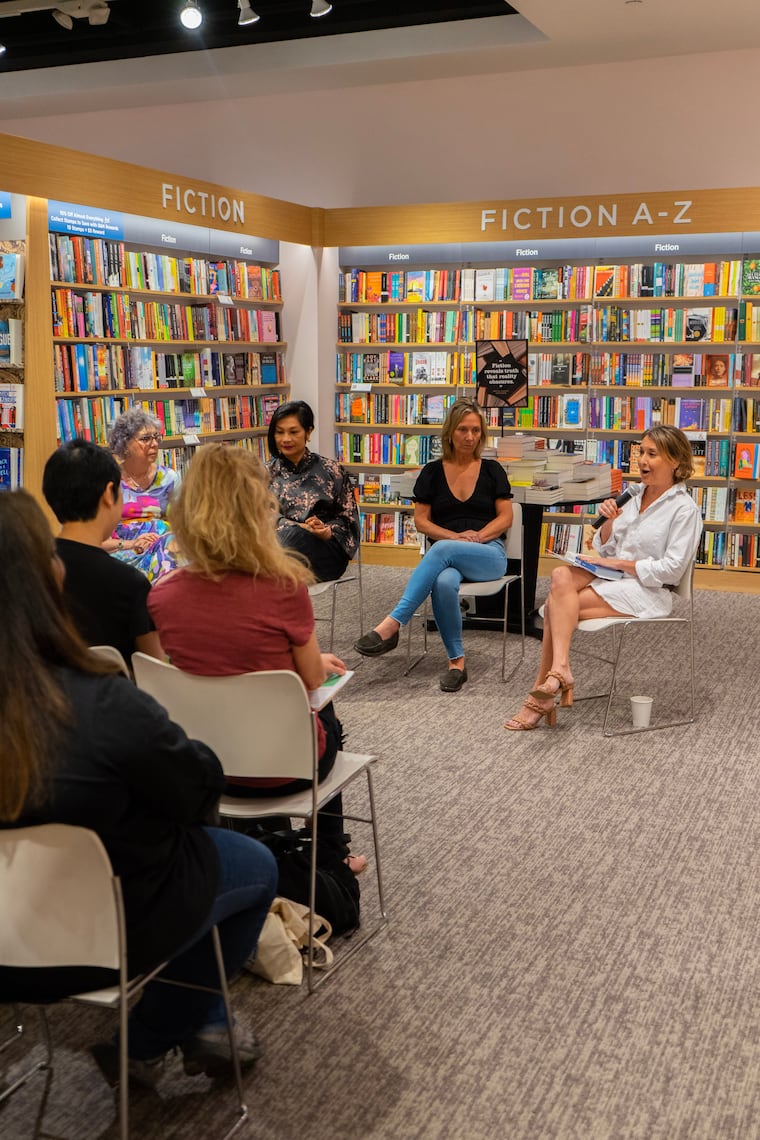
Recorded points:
(573, 944)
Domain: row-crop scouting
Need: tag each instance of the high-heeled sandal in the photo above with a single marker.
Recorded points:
(565, 690)
(515, 724)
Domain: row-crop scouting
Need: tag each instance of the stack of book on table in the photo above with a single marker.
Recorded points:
(593, 482)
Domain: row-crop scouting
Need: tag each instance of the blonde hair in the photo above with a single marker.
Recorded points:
(224, 518)
(458, 410)
(675, 446)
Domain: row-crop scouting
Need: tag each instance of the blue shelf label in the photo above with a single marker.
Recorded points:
(67, 218)
(5, 204)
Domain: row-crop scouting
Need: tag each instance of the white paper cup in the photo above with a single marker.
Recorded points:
(641, 711)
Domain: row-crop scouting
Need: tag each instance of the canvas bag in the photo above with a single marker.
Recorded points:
(283, 942)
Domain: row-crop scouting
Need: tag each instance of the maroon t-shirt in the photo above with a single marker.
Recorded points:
(237, 624)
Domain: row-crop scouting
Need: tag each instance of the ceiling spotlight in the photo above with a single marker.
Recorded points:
(320, 8)
(247, 14)
(63, 19)
(2, 48)
(191, 15)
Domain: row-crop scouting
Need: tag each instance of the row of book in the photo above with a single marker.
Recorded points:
(716, 324)
(636, 413)
(399, 367)
(194, 416)
(379, 488)
(677, 370)
(83, 260)
(742, 552)
(179, 458)
(11, 407)
(116, 315)
(112, 367)
(712, 549)
(11, 468)
(384, 408)
(561, 282)
(11, 342)
(419, 327)
(535, 325)
(396, 448)
(392, 528)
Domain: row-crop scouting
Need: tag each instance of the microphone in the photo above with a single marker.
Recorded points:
(620, 501)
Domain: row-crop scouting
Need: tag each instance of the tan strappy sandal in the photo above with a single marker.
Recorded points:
(565, 690)
(516, 724)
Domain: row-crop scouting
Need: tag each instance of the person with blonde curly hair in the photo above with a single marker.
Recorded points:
(240, 604)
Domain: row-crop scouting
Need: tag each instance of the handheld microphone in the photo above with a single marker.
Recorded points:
(620, 501)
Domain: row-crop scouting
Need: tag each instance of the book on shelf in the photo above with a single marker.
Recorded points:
(371, 486)
(745, 506)
(11, 342)
(697, 324)
(11, 468)
(718, 370)
(691, 415)
(604, 281)
(485, 284)
(751, 276)
(415, 285)
(372, 368)
(11, 276)
(396, 367)
(11, 407)
(747, 460)
(546, 284)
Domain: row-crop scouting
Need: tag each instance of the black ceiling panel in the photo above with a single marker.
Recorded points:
(152, 27)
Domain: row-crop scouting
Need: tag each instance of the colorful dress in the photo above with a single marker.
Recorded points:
(145, 513)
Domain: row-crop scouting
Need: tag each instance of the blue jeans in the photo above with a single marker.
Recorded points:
(166, 1016)
(445, 565)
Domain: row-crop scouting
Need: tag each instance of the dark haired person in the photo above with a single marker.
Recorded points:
(83, 746)
(107, 598)
(318, 513)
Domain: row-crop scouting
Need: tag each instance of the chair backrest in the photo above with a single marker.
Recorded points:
(258, 724)
(111, 653)
(59, 900)
(514, 543)
(684, 587)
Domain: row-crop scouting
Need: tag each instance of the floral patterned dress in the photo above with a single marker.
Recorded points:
(145, 513)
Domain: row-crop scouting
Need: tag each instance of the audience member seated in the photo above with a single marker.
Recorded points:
(143, 538)
(318, 515)
(81, 745)
(652, 540)
(461, 504)
(107, 599)
(250, 607)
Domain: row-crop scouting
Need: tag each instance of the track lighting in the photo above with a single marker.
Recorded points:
(247, 14)
(320, 8)
(2, 48)
(191, 15)
(63, 19)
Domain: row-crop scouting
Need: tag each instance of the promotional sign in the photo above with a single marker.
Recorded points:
(502, 373)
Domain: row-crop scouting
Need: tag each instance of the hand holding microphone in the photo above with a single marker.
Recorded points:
(620, 501)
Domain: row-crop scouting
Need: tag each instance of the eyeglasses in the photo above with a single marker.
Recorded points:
(152, 437)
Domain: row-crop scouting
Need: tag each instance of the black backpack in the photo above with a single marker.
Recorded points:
(337, 889)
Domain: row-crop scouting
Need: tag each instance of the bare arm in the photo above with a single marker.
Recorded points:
(500, 524)
(308, 663)
(150, 644)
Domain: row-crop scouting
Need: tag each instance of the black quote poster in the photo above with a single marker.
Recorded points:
(502, 373)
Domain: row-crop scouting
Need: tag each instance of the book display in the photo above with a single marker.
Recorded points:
(623, 334)
(193, 336)
(12, 314)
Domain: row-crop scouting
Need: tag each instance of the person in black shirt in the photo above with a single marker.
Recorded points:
(107, 598)
(462, 506)
(81, 745)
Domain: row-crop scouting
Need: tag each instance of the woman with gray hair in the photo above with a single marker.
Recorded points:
(143, 537)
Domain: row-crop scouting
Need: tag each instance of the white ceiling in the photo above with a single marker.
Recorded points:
(548, 34)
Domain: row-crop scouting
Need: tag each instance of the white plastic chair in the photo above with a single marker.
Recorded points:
(319, 588)
(684, 591)
(261, 724)
(111, 653)
(514, 551)
(62, 906)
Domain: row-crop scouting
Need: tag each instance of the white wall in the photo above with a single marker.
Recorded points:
(679, 123)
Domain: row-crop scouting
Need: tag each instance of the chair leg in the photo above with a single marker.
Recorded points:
(224, 988)
(45, 1064)
(652, 727)
(409, 663)
(332, 616)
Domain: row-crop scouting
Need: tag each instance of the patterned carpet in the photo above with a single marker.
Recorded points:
(572, 950)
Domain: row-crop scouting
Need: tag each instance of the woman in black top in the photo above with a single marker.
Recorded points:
(81, 745)
(462, 506)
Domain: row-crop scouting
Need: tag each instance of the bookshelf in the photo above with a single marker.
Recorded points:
(623, 333)
(12, 319)
(191, 332)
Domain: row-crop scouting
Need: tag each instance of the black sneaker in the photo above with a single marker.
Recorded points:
(209, 1052)
(147, 1074)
